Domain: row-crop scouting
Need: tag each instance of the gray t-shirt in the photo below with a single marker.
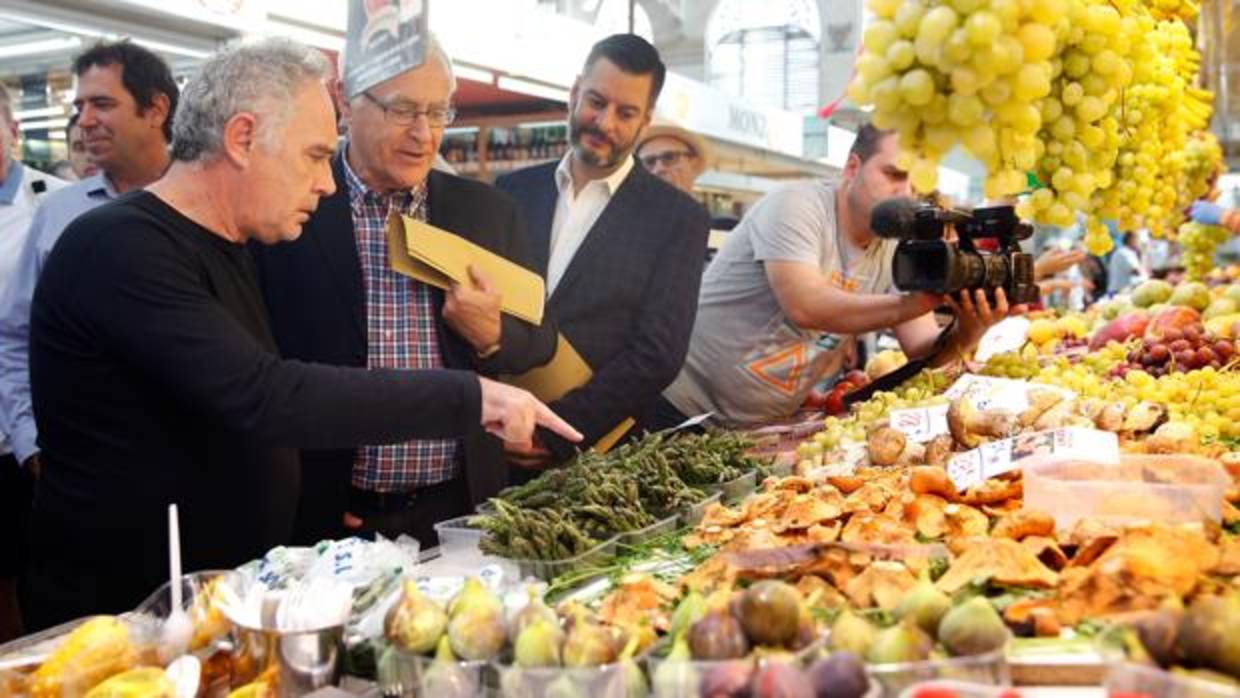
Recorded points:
(747, 362)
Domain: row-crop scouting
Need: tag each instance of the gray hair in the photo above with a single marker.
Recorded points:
(259, 76)
(434, 49)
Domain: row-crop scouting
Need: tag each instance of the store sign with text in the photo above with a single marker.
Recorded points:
(711, 112)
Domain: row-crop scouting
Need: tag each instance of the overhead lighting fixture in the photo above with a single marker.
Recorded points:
(38, 113)
(464, 72)
(48, 124)
(168, 48)
(536, 89)
(94, 33)
(30, 48)
(312, 37)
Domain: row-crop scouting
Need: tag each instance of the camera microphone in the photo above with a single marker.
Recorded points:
(892, 218)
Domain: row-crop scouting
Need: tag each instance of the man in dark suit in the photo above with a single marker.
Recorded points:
(621, 250)
(334, 299)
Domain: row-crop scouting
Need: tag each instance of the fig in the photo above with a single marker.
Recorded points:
(532, 611)
(730, 679)
(538, 645)
(770, 612)
(689, 611)
(851, 633)
(842, 675)
(675, 676)
(565, 687)
(589, 644)
(477, 633)
(1210, 634)
(780, 680)
(475, 595)
(925, 604)
(415, 623)
(444, 677)
(1157, 632)
(973, 627)
(634, 677)
(903, 642)
(718, 635)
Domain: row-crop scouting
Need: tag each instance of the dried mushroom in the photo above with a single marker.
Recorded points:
(1143, 417)
(971, 427)
(1024, 523)
(885, 445)
(1040, 400)
(964, 521)
(928, 514)
(939, 450)
(1046, 550)
(868, 528)
(932, 479)
(883, 584)
(1000, 560)
(805, 510)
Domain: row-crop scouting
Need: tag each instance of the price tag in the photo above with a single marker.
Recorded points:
(1003, 337)
(920, 424)
(998, 457)
(988, 392)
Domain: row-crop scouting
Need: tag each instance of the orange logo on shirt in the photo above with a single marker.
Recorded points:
(781, 370)
(838, 280)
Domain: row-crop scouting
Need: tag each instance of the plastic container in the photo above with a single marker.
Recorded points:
(957, 689)
(457, 537)
(607, 681)
(654, 530)
(988, 669)
(1172, 489)
(401, 674)
(693, 515)
(1129, 679)
(548, 570)
(684, 684)
(736, 489)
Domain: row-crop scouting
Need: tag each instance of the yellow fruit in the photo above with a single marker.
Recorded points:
(1042, 331)
(146, 682)
(97, 649)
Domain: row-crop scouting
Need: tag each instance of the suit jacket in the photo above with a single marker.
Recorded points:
(628, 298)
(314, 293)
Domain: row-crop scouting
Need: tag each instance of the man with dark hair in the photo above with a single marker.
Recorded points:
(621, 250)
(794, 283)
(79, 159)
(125, 101)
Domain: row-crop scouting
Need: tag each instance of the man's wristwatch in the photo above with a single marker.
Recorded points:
(488, 352)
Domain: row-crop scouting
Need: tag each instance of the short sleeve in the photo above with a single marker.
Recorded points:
(789, 225)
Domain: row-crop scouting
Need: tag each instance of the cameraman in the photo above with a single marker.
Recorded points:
(795, 282)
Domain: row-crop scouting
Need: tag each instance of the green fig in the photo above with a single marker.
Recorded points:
(589, 644)
(565, 687)
(851, 633)
(634, 677)
(532, 611)
(445, 677)
(415, 623)
(475, 595)
(903, 642)
(689, 611)
(926, 604)
(973, 627)
(477, 633)
(1156, 631)
(675, 676)
(539, 645)
(1210, 634)
(770, 612)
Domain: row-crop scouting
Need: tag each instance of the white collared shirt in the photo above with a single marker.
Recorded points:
(576, 214)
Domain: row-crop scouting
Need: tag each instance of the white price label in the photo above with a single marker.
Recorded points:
(997, 457)
(921, 424)
(1003, 337)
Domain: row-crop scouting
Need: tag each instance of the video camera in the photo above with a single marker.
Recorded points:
(924, 261)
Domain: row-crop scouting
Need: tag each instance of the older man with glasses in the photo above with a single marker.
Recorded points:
(333, 298)
(675, 155)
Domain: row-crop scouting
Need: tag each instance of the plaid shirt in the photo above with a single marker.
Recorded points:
(401, 333)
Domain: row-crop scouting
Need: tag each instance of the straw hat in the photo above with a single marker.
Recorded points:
(664, 128)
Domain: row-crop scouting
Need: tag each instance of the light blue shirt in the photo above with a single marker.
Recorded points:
(54, 214)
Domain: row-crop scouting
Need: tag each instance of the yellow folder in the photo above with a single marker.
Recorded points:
(440, 258)
(553, 380)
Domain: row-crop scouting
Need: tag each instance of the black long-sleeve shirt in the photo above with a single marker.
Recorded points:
(155, 380)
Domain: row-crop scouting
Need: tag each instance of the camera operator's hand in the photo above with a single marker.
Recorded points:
(975, 315)
(1051, 262)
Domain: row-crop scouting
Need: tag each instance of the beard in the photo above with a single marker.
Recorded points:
(613, 156)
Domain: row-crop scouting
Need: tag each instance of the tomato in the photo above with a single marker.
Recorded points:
(935, 692)
(857, 378)
(835, 401)
(817, 399)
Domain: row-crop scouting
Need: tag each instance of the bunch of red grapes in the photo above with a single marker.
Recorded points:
(1178, 349)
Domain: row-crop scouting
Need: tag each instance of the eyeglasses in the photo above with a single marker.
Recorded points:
(404, 113)
(669, 159)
